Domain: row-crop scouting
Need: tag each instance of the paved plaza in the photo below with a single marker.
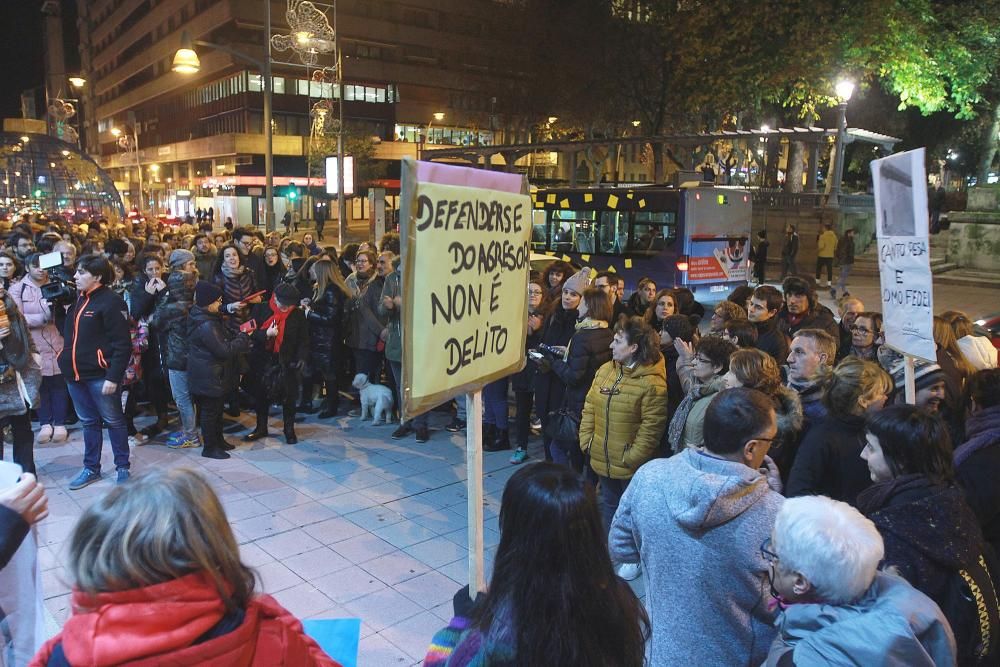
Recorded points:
(347, 523)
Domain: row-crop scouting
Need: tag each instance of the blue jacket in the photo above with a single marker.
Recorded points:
(893, 624)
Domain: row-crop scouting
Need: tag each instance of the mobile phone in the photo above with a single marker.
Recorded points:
(248, 327)
(535, 354)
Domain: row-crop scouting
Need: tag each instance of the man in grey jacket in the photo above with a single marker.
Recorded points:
(697, 521)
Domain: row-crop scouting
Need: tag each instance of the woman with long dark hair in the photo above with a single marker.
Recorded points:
(931, 536)
(555, 276)
(149, 292)
(17, 350)
(553, 598)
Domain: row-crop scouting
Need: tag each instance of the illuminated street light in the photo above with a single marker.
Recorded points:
(845, 88)
(186, 60)
(439, 116)
(77, 81)
(25, 138)
(116, 131)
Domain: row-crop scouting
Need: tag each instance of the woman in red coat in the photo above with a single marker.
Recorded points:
(158, 580)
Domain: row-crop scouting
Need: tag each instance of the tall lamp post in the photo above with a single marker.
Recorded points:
(186, 61)
(844, 91)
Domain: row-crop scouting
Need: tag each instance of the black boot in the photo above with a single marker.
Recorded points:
(499, 443)
(214, 453)
(329, 408)
(290, 435)
(259, 432)
(489, 435)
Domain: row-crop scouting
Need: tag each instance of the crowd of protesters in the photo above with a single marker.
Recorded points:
(764, 470)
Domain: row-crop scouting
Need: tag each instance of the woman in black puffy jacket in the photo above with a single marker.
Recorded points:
(149, 292)
(325, 313)
(559, 328)
(588, 350)
(212, 372)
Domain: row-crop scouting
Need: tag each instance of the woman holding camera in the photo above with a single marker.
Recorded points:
(53, 398)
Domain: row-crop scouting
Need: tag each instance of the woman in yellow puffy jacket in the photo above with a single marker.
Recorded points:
(625, 411)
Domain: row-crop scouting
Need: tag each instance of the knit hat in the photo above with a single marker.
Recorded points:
(579, 281)
(179, 258)
(206, 293)
(925, 373)
(286, 294)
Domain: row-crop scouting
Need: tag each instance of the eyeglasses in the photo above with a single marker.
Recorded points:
(534, 292)
(766, 553)
(774, 442)
(854, 328)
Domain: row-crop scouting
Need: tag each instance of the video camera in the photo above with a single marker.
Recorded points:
(61, 288)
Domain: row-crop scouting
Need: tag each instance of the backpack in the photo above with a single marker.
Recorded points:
(970, 604)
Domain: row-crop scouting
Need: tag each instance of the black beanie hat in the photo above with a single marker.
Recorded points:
(286, 294)
(206, 293)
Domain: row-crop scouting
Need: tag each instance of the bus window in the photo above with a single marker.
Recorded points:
(612, 232)
(571, 231)
(653, 231)
(539, 239)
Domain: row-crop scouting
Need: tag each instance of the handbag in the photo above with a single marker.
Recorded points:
(563, 426)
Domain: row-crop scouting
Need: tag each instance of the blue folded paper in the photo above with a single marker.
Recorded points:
(339, 637)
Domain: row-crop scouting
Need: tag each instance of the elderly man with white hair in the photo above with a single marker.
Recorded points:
(838, 608)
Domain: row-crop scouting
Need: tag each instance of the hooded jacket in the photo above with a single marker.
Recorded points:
(977, 468)
(97, 341)
(697, 522)
(549, 389)
(162, 625)
(930, 535)
(893, 624)
(623, 419)
(212, 357)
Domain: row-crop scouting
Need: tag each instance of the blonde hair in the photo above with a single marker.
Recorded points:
(756, 370)
(328, 274)
(160, 526)
(944, 336)
(852, 380)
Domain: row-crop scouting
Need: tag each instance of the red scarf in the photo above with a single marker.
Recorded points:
(278, 317)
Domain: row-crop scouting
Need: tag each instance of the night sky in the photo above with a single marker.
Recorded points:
(22, 63)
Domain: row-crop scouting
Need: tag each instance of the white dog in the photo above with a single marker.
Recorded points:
(376, 400)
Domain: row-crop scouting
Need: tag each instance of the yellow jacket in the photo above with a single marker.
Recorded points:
(623, 419)
(826, 246)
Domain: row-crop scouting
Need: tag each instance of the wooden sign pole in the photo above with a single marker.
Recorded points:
(909, 381)
(474, 484)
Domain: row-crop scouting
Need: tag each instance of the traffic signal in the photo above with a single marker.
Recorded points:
(293, 193)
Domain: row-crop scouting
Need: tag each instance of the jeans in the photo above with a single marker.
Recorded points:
(420, 421)
(788, 266)
(24, 442)
(53, 401)
(828, 263)
(495, 410)
(182, 397)
(845, 271)
(210, 421)
(524, 401)
(98, 412)
(611, 491)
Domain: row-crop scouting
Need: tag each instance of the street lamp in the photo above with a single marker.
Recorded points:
(186, 61)
(844, 89)
(77, 82)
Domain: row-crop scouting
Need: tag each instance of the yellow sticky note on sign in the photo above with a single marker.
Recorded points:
(564, 203)
(566, 258)
(550, 199)
(613, 201)
(588, 197)
(628, 263)
(593, 273)
(642, 203)
(539, 204)
(585, 258)
(630, 195)
(612, 269)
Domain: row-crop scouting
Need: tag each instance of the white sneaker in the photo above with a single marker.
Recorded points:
(45, 434)
(628, 571)
(59, 434)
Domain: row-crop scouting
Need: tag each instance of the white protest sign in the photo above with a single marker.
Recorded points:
(901, 222)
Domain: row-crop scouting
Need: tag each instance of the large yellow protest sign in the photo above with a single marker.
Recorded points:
(464, 290)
